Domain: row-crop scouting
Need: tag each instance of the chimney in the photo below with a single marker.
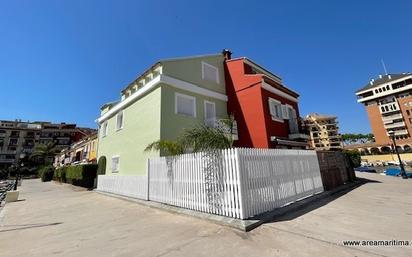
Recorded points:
(227, 54)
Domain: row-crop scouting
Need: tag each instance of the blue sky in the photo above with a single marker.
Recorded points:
(61, 60)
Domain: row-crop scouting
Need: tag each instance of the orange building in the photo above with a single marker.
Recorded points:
(388, 102)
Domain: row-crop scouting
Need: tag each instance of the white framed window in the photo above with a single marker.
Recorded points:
(185, 105)
(275, 108)
(115, 164)
(119, 120)
(210, 113)
(210, 72)
(105, 128)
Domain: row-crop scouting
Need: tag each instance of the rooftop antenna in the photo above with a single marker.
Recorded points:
(384, 67)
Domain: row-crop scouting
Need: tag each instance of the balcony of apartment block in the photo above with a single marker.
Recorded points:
(400, 132)
(30, 135)
(14, 135)
(400, 124)
(392, 117)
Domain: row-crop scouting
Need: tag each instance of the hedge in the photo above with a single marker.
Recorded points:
(46, 173)
(79, 175)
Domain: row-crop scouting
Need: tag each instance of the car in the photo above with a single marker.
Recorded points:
(365, 169)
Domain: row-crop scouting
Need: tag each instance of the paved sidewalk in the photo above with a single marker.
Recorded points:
(60, 220)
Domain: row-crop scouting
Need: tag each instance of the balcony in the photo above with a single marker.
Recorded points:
(399, 132)
(395, 125)
(392, 117)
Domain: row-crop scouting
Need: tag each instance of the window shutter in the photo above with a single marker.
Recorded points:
(285, 112)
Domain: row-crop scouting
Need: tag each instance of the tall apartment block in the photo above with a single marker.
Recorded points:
(18, 137)
(323, 132)
(388, 102)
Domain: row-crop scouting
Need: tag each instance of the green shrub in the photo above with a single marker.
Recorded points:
(60, 174)
(46, 173)
(354, 157)
(101, 165)
(80, 175)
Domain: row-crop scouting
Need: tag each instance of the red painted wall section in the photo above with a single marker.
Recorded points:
(248, 102)
(245, 103)
(276, 128)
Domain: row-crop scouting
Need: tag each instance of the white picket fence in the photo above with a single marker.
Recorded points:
(238, 183)
(198, 181)
(271, 178)
(131, 186)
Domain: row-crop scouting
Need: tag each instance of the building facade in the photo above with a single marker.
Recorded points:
(388, 102)
(323, 132)
(170, 96)
(266, 111)
(176, 94)
(17, 137)
(81, 152)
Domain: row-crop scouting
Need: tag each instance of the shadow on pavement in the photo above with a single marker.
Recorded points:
(28, 226)
(321, 202)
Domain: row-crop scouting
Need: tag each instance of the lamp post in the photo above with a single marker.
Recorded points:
(403, 173)
(20, 164)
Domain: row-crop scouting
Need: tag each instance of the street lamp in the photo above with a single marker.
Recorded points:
(392, 135)
(20, 164)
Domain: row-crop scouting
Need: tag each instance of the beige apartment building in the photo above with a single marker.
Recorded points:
(19, 137)
(388, 102)
(323, 132)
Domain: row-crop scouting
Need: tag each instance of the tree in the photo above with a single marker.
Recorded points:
(197, 139)
(44, 153)
(354, 157)
(349, 139)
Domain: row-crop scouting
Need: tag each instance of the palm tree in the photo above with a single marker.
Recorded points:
(197, 139)
(44, 152)
(169, 147)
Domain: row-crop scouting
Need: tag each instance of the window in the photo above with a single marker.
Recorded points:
(185, 105)
(275, 108)
(210, 72)
(210, 113)
(115, 164)
(408, 112)
(285, 112)
(105, 129)
(119, 120)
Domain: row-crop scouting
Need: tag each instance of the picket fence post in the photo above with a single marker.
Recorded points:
(240, 182)
(148, 179)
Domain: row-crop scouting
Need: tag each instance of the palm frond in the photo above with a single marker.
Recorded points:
(167, 146)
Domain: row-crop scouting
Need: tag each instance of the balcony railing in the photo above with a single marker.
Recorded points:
(399, 132)
(392, 117)
(395, 125)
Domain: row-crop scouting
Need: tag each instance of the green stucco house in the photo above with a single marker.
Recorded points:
(170, 96)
